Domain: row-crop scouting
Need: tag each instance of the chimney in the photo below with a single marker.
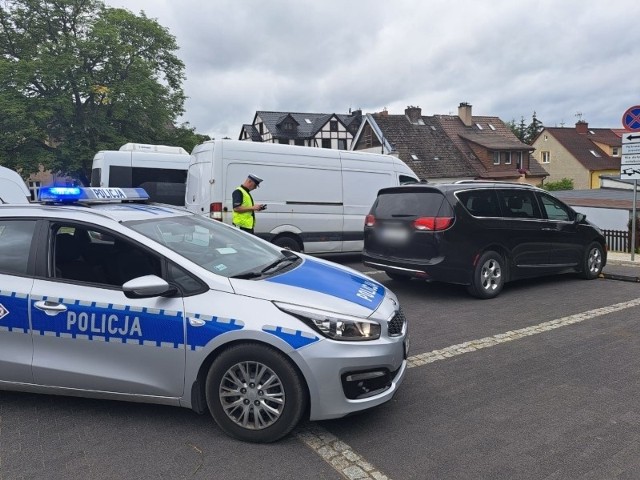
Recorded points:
(383, 113)
(464, 112)
(582, 126)
(413, 113)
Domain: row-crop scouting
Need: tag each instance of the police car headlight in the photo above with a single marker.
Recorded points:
(334, 325)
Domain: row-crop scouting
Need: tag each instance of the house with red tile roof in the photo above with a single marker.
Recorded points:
(443, 148)
(582, 154)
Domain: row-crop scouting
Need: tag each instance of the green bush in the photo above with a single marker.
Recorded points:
(564, 184)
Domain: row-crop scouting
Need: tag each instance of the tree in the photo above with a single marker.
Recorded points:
(533, 129)
(184, 136)
(77, 77)
(518, 130)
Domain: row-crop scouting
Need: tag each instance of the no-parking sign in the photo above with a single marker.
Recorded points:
(631, 119)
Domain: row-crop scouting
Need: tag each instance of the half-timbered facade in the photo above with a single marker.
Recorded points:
(325, 130)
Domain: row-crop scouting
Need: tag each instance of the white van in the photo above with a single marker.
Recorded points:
(317, 199)
(160, 169)
(12, 187)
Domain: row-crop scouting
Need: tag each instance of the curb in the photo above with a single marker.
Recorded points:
(623, 278)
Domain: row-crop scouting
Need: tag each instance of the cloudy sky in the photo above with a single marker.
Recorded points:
(508, 58)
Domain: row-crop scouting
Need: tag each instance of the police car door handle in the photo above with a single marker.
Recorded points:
(196, 322)
(50, 308)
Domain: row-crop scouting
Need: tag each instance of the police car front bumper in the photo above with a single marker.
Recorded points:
(347, 377)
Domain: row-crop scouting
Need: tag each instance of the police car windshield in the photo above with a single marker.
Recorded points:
(209, 244)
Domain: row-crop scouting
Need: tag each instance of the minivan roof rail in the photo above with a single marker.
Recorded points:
(496, 181)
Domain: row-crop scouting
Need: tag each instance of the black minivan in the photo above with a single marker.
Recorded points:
(480, 234)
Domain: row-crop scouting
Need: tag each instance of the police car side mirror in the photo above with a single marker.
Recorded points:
(147, 286)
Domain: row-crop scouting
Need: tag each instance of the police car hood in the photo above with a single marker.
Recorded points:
(319, 284)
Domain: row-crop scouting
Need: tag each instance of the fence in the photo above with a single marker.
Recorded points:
(618, 240)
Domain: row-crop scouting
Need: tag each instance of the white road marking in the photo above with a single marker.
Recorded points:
(337, 453)
(486, 342)
(373, 272)
(353, 466)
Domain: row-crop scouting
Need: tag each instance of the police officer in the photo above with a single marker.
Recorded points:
(244, 216)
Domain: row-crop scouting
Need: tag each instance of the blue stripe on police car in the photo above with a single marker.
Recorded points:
(320, 277)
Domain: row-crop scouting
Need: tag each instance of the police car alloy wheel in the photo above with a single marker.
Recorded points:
(254, 393)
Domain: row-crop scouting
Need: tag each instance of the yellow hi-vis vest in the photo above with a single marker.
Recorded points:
(244, 219)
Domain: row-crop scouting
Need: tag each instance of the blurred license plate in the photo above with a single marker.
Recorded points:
(394, 235)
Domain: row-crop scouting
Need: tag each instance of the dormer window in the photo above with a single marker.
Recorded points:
(288, 126)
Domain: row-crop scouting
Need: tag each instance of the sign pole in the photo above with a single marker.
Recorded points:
(633, 220)
(630, 161)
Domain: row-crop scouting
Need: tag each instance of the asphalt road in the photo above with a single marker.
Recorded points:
(539, 383)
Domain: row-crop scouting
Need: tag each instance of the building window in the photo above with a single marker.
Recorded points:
(342, 144)
(507, 158)
(288, 126)
(615, 151)
(594, 153)
(326, 143)
(545, 157)
(496, 158)
(519, 160)
(261, 128)
(333, 125)
(300, 142)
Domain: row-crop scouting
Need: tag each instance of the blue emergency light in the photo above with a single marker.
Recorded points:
(91, 195)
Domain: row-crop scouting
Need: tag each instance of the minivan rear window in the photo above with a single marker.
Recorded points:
(412, 204)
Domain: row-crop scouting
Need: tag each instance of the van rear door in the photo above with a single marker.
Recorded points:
(199, 190)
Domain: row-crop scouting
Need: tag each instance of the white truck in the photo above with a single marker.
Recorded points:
(316, 198)
(160, 169)
(12, 187)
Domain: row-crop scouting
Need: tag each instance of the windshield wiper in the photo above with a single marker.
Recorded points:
(280, 261)
(288, 259)
(246, 275)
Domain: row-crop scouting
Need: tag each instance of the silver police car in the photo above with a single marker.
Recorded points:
(105, 295)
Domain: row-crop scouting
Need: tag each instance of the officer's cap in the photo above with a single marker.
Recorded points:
(256, 179)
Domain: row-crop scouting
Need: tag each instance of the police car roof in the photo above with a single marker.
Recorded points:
(118, 212)
(119, 204)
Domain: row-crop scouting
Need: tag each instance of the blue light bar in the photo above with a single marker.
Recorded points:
(91, 194)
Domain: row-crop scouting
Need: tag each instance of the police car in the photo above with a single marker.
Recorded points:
(105, 295)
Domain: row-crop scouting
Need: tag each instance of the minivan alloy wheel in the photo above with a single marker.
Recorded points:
(488, 276)
(593, 261)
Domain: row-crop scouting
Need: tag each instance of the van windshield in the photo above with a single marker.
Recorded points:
(214, 246)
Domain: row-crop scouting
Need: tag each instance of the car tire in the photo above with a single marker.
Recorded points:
(288, 242)
(398, 277)
(240, 404)
(488, 276)
(593, 261)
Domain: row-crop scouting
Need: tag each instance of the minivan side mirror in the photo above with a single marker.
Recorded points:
(580, 217)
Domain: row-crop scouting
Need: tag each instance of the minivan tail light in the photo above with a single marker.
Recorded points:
(369, 221)
(432, 224)
(215, 211)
